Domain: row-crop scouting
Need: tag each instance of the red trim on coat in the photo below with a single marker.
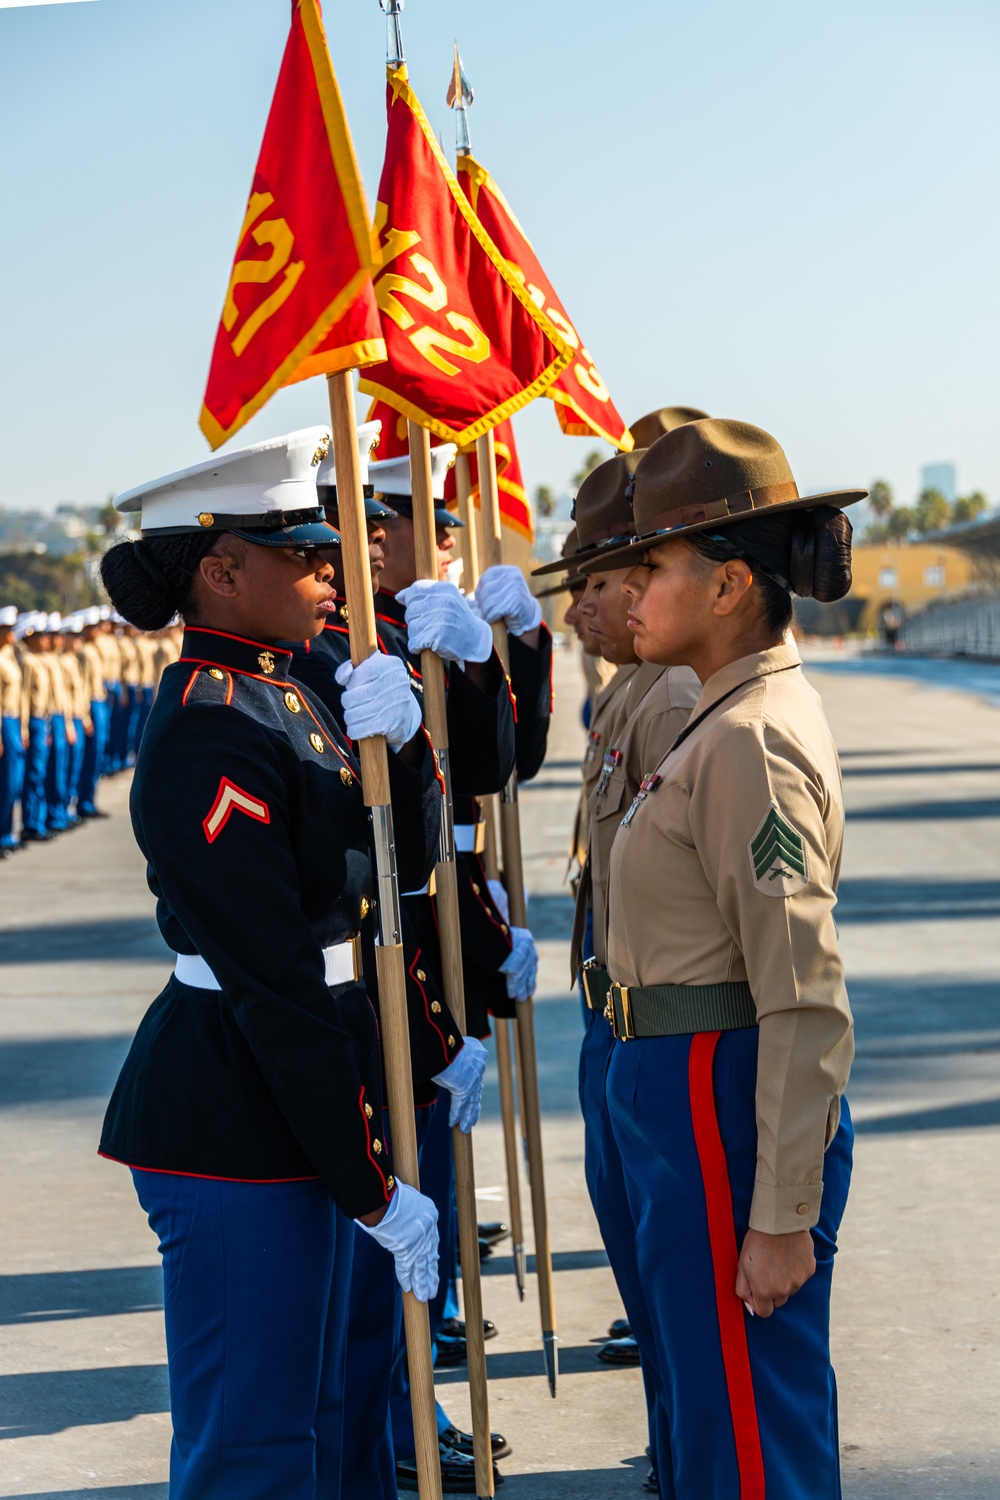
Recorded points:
(368, 1144)
(191, 682)
(242, 639)
(427, 1010)
(205, 1176)
(725, 1263)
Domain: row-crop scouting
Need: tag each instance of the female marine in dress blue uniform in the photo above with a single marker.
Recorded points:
(727, 996)
(250, 1104)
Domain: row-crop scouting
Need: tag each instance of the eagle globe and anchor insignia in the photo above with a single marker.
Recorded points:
(266, 663)
(779, 860)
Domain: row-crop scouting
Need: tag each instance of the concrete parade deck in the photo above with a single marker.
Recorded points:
(83, 1393)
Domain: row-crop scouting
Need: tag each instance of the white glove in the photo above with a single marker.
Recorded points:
(378, 699)
(521, 968)
(438, 619)
(409, 1232)
(463, 1078)
(503, 594)
(499, 893)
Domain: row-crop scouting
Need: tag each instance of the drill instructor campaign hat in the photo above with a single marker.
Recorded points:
(569, 549)
(655, 424)
(265, 494)
(703, 476)
(602, 509)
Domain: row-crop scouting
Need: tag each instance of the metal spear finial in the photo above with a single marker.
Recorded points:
(460, 96)
(394, 54)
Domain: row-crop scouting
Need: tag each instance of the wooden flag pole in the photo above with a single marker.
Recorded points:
(501, 1027)
(510, 839)
(450, 931)
(389, 960)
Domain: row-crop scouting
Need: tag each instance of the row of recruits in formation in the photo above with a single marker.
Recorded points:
(75, 694)
(718, 1035)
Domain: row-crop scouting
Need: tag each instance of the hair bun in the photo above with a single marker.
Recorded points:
(830, 572)
(137, 587)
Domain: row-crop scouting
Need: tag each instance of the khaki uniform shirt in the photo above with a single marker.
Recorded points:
(603, 714)
(59, 698)
(10, 684)
(728, 871)
(36, 688)
(146, 649)
(79, 703)
(111, 657)
(656, 706)
(92, 666)
(128, 647)
(167, 652)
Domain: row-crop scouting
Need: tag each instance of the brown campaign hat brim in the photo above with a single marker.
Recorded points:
(562, 587)
(603, 558)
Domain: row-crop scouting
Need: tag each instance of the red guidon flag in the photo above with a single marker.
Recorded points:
(300, 299)
(583, 402)
(515, 507)
(466, 344)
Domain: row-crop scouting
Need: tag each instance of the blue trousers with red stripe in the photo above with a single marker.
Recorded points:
(750, 1404)
(256, 1280)
(602, 1165)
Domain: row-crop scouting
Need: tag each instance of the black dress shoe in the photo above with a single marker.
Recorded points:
(619, 1352)
(450, 1352)
(493, 1233)
(463, 1442)
(454, 1328)
(621, 1328)
(32, 836)
(458, 1473)
(93, 812)
(485, 1250)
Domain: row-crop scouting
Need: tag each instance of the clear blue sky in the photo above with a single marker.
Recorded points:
(785, 212)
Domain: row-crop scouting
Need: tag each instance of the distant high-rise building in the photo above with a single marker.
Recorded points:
(939, 477)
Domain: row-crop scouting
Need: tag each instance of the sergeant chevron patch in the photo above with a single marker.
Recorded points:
(231, 798)
(779, 860)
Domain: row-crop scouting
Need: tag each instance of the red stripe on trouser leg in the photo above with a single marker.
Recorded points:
(725, 1262)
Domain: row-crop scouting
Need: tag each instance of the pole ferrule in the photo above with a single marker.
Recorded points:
(394, 54)
(389, 925)
(446, 838)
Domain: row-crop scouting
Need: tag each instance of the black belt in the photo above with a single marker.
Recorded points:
(678, 1009)
(596, 983)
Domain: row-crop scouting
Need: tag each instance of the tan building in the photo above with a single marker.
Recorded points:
(910, 574)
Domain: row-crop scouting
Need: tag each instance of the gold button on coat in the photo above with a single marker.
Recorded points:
(451, 1041)
(377, 1146)
(390, 1182)
(475, 889)
(318, 743)
(366, 907)
(346, 776)
(215, 672)
(421, 975)
(369, 1111)
(292, 703)
(436, 1007)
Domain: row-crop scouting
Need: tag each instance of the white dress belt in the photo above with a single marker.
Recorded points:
(340, 961)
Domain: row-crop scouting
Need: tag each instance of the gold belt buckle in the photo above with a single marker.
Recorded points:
(626, 1034)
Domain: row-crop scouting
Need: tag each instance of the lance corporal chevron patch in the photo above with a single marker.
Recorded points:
(779, 860)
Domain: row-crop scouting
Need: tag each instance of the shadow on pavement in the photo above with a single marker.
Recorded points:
(51, 1296)
(945, 1117)
(938, 768)
(134, 939)
(562, 1260)
(579, 1484)
(869, 899)
(574, 1359)
(69, 1067)
(53, 1400)
(920, 812)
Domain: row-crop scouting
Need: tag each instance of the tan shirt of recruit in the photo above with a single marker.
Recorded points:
(726, 870)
